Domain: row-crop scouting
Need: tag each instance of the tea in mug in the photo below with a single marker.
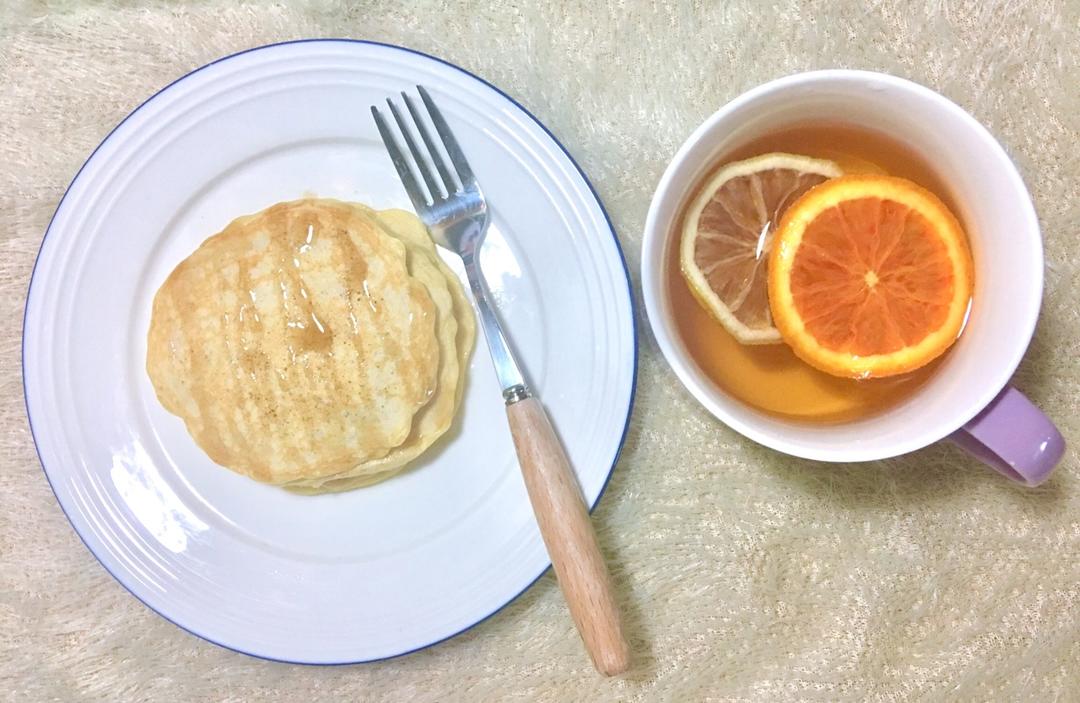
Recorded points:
(818, 273)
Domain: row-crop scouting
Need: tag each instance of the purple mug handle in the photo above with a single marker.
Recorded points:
(1013, 436)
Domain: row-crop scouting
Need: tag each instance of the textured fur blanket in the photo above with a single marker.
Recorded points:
(745, 575)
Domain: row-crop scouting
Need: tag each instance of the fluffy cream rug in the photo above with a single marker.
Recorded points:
(745, 575)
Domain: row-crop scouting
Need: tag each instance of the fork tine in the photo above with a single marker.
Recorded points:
(457, 157)
(401, 163)
(417, 153)
(433, 150)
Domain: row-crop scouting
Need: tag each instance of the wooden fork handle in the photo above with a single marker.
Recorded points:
(568, 535)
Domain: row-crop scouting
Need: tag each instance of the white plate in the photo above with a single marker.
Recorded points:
(341, 578)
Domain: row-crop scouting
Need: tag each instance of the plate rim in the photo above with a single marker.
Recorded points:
(423, 55)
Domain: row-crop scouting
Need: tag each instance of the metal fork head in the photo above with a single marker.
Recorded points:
(446, 197)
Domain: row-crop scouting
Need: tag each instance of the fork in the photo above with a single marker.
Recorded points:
(453, 208)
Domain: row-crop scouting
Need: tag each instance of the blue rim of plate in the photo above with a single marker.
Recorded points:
(611, 230)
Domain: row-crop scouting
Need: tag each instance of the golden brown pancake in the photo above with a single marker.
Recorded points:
(296, 343)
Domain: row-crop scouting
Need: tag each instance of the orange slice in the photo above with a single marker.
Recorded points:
(870, 276)
(728, 233)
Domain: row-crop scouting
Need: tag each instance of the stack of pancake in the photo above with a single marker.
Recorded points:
(316, 345)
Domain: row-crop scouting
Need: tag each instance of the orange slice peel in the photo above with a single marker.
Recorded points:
(869, 276)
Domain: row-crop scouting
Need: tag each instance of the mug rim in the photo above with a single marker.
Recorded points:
(653, 266)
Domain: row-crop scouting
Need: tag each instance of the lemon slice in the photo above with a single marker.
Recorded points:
(727, 236)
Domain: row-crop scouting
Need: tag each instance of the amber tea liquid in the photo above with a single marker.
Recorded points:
(770, 377)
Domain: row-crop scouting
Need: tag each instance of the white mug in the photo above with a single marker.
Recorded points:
(968, 398)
